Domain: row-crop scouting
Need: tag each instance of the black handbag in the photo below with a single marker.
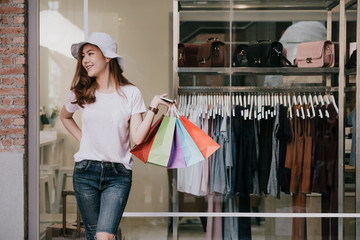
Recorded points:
(239, 56)
(266, 54)
(209, 54)
(351, 62)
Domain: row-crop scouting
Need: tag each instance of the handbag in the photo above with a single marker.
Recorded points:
(266, 54)
(351, 62)
(315, 54)
(209, 54)
(239, 56)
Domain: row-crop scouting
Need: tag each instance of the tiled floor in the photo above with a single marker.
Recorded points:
(136, 228)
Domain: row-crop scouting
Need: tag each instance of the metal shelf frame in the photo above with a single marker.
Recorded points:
(219, 11)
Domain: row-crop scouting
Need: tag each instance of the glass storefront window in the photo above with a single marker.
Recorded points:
(61, 24)
(144, 37)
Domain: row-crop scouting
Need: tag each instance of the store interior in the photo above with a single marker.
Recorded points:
(146, 41)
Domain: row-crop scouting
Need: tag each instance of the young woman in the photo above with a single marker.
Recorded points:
(112, 110)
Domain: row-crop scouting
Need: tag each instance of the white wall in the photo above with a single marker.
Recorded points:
(143, 32)
(11, 195)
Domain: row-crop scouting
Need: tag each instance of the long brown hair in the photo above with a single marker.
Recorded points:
(84, 86)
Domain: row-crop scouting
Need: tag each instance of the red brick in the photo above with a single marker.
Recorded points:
(19, 121)
(6, 101)
(5, 40)
(18, 40)
(19, 142)
(6, 61)
(19, 81)
(19, 20)
(11, 9)
(6, 81)
(6, 142)
(12, 50)
(5, 1)
(12, 112)
(19, 101)
(12, 131)
(5, 20)
(12, 30)
(6, 122)
(7, 71)
(20, 60)
(12, 91)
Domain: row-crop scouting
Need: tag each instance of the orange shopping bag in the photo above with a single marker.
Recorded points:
(205, 143)
(142, 150)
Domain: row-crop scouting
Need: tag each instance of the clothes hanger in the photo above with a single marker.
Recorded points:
(290, 106)
(251, 106)
(306, 103)
(295, 103)
(312, 105)
(245, 106)
(255, 106)
(266, 104)
(332, 98)
(259, 107)
(301, 107)
(326, 99)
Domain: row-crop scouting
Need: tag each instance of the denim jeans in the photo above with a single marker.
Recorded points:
(101, 190)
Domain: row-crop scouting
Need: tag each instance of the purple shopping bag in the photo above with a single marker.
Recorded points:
(176, 159)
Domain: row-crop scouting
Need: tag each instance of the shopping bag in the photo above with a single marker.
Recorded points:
(176, 159)
(161, 147)
(205, 143)
(141, 151)
(192, 154)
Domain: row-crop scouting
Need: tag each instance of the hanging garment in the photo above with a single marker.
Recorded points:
(330, 198)
(273, 187)
(219, 181)
(190, 178)
(319, 173)
(352, 122)
(299, 224)
(297, 161)
(230, 224)
(284, 136)
(306, 168)
(246, 154)
(265, 151)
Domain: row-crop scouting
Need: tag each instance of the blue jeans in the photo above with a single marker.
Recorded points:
(101, 190)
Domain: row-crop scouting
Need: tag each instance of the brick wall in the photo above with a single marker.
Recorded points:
(13, 76)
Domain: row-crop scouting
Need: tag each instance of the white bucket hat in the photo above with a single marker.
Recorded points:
(105, 42)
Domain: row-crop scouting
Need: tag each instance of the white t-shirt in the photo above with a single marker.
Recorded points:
(105, 125)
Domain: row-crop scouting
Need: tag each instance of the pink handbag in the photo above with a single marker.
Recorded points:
(315, 54)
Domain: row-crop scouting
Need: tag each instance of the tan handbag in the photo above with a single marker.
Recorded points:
(315, 54)
(209, 54)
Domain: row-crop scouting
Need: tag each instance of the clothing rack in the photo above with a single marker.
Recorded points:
(228, 89)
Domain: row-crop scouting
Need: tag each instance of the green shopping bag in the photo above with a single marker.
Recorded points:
(161, 147)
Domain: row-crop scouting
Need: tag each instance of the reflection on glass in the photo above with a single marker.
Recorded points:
(60, 25)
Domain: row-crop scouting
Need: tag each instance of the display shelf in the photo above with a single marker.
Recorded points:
(209, 5)
(351, 71)
(260, 71)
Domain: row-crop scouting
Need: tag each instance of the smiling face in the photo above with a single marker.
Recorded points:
(93, 60)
